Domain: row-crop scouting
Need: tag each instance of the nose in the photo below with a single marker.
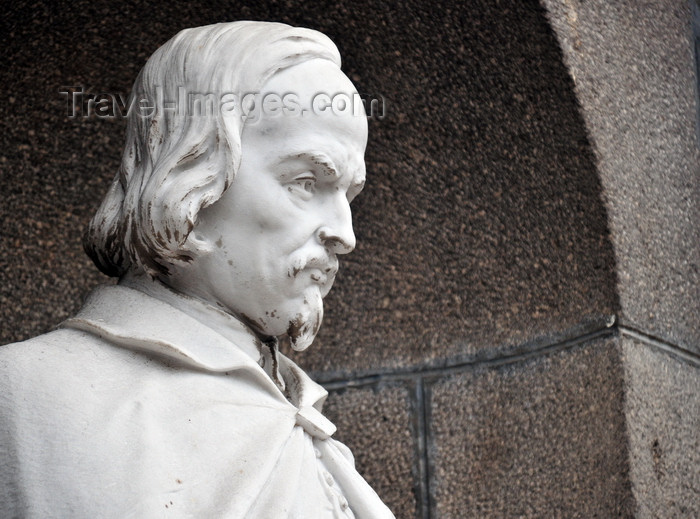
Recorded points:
(336, 233)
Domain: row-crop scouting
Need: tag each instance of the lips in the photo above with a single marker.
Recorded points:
(320, 270)
(322, 277)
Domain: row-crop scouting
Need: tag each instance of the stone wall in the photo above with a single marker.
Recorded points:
(516, 333)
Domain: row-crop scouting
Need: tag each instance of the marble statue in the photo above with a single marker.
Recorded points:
(166, 395)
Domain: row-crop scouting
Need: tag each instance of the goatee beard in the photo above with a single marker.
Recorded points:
(303, 328)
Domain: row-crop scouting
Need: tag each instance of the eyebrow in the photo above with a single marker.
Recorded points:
(320, 159)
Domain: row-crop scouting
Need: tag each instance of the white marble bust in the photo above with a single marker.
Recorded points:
(166, 396)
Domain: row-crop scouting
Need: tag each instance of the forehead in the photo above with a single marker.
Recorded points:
(302, 120)
(309, 78)
(330, 143)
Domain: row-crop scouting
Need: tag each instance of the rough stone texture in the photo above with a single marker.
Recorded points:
(538, 438)
(378, 425)
(483, 205)
(635, 77)
(663, 422)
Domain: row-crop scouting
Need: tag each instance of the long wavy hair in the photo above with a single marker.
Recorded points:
(174, 163)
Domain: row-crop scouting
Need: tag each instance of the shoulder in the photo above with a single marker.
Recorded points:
(34, 356)
(61, 372)
(52, 355)
(43, 374)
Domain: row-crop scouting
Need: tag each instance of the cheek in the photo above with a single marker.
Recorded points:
(285, 225)
(267, 214)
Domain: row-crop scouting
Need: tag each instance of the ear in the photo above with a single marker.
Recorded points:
(199, 243)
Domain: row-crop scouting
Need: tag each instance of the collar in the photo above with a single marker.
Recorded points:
(176, 330)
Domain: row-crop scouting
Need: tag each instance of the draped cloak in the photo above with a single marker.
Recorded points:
(135, 409)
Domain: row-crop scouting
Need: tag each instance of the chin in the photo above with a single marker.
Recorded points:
(304, 325)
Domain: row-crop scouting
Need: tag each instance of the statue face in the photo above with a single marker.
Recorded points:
(277, 231)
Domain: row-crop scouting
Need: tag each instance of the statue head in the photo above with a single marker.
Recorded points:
(242, 200)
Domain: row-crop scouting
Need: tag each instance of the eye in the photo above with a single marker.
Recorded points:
(307, 184)
(304, 185)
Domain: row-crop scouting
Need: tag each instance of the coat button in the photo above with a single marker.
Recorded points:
(329, 478)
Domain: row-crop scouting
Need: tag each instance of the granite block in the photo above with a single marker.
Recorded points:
(635, 74)
(378, 423)
(543, 437)
(662, 407)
